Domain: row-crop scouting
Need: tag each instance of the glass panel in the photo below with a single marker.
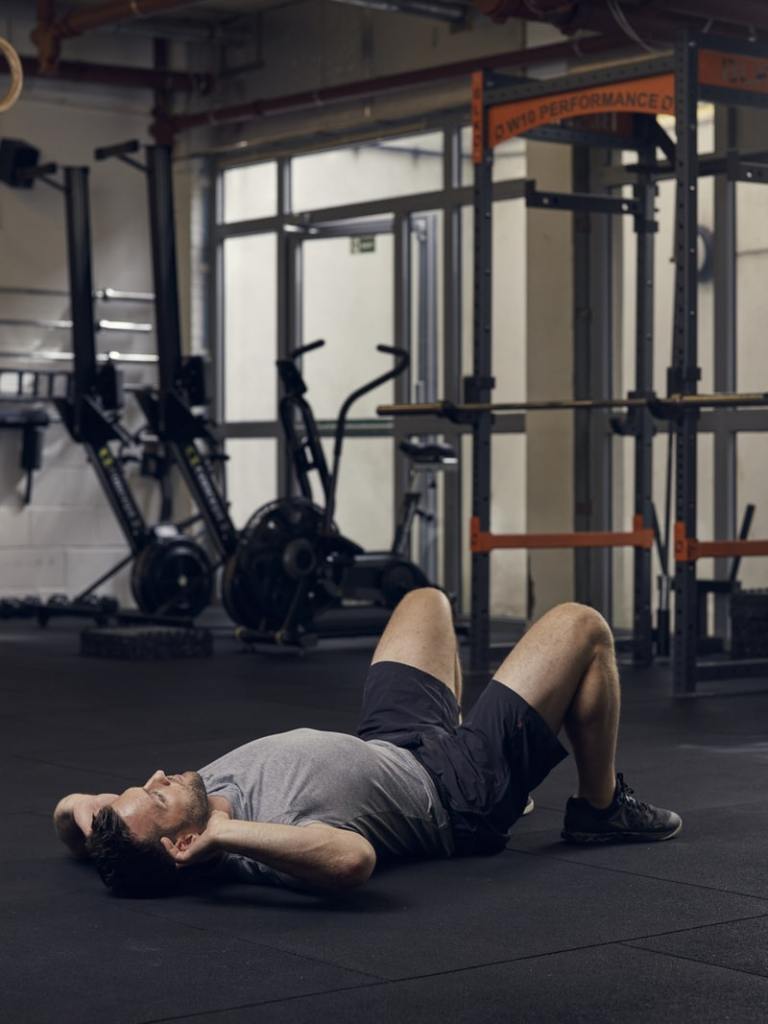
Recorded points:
(752, 296)
(752, 487)
(251, 475)
(348, 300)
(364, 497)
(250, 327)
(249, 192)
(372, 170)
(509, 305)
(509, 297)
(509, 569)
(509, 572)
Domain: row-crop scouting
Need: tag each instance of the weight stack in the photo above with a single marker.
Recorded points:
(749, 624)
(146, 643)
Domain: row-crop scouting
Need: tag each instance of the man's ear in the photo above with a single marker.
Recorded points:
(184, 840)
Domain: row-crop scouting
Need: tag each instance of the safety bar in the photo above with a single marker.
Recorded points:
(481, 542)
(689, 549)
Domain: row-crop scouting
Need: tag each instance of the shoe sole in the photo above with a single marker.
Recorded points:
(601, 838)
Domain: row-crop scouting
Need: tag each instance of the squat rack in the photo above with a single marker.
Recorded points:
(721, 70)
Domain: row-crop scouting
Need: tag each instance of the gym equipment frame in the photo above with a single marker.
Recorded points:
(721, 70)
(181, 381)
(171, 574)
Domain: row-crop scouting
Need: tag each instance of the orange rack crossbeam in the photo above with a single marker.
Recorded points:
(688, 549)
(482, 542)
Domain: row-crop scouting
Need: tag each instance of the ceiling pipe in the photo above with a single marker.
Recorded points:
(747, 13)
(115, 74)
(649, 22)
(372, 86)
(452, 13)
(50, 30)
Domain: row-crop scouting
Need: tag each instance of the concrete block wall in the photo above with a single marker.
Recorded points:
(68, 536)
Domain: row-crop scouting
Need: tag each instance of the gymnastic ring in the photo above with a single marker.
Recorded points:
(17, 76)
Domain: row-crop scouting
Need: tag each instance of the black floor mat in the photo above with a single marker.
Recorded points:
(543, 932)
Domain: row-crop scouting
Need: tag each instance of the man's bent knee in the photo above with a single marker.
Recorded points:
(426, 598)
(591, 624)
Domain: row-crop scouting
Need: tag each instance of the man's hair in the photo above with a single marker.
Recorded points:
(127, 865)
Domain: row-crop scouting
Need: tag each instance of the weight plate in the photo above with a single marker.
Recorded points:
(172, 577)
(280, 550)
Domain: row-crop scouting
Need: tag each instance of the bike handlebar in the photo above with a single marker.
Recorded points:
(303, 349)
(403, 361)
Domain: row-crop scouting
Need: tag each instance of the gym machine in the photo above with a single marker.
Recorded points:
(171, 573)
(293, 565)
(187, 436)
(290, 563)
(381, 578)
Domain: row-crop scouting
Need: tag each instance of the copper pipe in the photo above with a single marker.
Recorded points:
(86, 18)
(374, 86)
(115, 74)
(49, 31)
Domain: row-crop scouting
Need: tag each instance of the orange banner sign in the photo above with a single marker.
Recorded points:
(653, 95)
(733, 71)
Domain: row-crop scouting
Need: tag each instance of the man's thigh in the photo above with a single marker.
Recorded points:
(414, 681)
(420, 633)
(546, 666)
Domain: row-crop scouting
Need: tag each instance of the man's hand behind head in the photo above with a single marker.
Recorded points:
(73, 816)
(195, 848)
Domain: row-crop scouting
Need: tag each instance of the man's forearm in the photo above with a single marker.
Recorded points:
(320, 856)
(67, 829)
(72, 818)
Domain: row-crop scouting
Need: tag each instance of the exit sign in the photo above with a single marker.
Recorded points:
(363, 243)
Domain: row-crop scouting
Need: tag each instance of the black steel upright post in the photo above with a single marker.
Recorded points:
(725, 288)
(402, 306)
(642, 633)
(685, 371)
(454, 528)
(162, 231)
(289, 305)
(481, 387)
(593, 367)
(80, 287)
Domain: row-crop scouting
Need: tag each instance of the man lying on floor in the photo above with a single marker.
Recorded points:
(318, 810)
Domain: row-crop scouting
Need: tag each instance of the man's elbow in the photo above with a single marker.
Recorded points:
(355, 870)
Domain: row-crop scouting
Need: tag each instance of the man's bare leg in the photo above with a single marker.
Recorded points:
(565, 668)
(420, 633)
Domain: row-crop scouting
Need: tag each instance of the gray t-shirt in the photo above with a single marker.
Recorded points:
(304, 776)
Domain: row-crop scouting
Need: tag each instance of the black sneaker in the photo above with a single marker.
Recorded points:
(626, 820)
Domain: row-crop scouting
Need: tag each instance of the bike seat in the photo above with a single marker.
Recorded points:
(434, 453)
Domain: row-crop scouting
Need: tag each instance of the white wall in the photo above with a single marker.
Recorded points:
(68, 535)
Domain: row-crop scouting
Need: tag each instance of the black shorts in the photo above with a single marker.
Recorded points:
(483, 769)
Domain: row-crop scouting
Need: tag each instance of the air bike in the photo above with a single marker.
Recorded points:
(171, 575)
(290, 564)
(293, 566)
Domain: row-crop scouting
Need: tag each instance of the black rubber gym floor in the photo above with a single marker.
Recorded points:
(543, 932)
